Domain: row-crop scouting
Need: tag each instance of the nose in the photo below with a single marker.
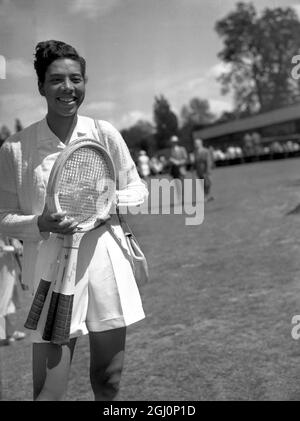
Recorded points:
(68, 85)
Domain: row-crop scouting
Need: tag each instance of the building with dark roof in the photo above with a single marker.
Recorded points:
(281, 125)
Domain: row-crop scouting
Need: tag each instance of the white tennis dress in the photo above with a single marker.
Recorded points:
(106, 295)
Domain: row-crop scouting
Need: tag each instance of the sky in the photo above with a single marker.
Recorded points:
(135, 50)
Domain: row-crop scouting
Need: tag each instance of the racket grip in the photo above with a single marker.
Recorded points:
(37, 305)
(58, 323)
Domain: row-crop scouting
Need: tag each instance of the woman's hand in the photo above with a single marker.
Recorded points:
(57, 222)
(17, 246)
(101, 221)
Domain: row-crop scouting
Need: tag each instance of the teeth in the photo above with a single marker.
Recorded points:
(66, 99)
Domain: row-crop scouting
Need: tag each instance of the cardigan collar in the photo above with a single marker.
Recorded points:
(45, 133)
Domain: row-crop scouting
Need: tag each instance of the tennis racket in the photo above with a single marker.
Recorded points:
(81, 183)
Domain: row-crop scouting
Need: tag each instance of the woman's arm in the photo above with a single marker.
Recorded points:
(13, 222)
(131, 190)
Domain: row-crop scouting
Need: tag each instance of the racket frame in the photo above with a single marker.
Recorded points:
(54, 178)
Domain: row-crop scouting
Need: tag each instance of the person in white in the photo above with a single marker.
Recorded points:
(106, 298)
(9, 293)
(143, 164)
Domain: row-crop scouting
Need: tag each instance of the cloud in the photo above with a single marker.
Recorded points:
(296, 7)
(132, 117)
(104, 110)
(2, 67)
(27, 108)
(4, 7)
(4, 3)
(218, 69)
(19, 68)
(108, 110)
(195, 83)
(99, 106)
(218, 106)
(93, 9)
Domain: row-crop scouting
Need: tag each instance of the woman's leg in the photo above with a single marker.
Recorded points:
(9, 324)
(50, 368)
(107, 358)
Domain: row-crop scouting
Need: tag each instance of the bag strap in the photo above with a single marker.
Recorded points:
(103, 140)
(122, 221)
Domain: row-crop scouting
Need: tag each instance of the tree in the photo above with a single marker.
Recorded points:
(165, 120)
(18, 125)
(196, 114)
(227, 116)
(139, 136)
(258, 51)
(4, 134)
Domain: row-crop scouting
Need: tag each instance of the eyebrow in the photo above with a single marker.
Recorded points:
(62, 74)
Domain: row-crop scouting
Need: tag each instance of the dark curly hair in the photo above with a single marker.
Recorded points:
(48, 51)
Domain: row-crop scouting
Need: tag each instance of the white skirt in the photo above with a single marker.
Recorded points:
(106, 294)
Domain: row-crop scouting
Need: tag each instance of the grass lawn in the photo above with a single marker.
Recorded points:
(219, 305)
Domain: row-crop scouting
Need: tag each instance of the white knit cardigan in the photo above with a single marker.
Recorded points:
(23, 191)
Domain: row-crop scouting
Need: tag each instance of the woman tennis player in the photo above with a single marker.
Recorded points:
(106, 297)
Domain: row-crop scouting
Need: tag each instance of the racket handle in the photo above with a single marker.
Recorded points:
(41, 294)
(58, 323)
(67, 270)
(37, 305)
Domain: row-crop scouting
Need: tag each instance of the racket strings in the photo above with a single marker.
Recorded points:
(84, 185)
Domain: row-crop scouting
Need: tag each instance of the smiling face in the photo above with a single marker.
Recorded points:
(63, 88)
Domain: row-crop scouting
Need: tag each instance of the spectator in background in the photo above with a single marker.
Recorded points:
(292, 146)
(238, 152)
(178, 161)
(10, 271)
(256, 139)
(156, 165)
(230, 152)
(276, 147)
(211, 151)
(143, 165)
(203, 165)
(164, 163)
(219, 155)
(248, 145)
